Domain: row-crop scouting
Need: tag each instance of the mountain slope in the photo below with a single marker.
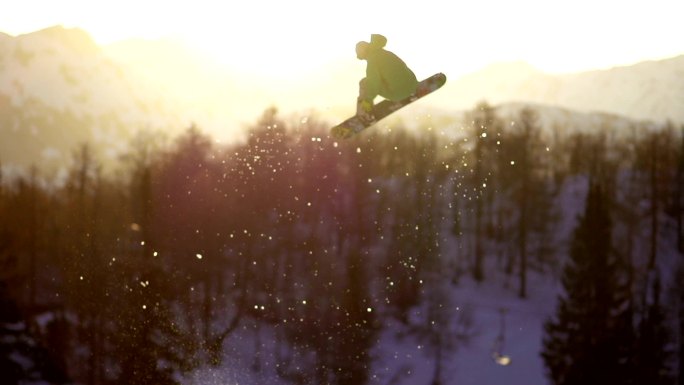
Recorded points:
(57, 89)
(650, 90)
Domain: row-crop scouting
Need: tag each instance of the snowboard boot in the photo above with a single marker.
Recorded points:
(364, 110)
(342, 132)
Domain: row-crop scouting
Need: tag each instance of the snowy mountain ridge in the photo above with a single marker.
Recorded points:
(65, 70)
(652, 90)
(58, 88)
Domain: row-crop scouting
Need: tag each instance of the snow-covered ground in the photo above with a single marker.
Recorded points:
(407, 360)
(489, 313)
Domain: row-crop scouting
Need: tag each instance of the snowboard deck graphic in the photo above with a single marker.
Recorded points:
(356, 123)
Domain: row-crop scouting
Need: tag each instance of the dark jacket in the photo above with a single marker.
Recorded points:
(387, 75)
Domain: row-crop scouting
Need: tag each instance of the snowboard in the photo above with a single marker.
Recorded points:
(357, 123)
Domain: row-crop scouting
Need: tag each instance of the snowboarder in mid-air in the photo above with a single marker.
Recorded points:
(386, 76)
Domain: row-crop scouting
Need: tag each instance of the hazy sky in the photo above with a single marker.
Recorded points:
(455, 37)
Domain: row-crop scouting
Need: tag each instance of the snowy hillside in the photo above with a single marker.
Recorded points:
(498, 336)
(58, 89)
(388, 259)
(649, 90)
(403, 359)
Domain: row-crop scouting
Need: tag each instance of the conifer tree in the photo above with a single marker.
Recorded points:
(678, 198)
(652, 350)
(486, 127)
(524, 182)
(588, 340)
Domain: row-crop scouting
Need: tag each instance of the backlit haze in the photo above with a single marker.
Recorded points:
(285, 44)
(285, 38)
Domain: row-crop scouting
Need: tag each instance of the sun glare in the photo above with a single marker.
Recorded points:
(273, 39)
(280, 56)
(284, 39)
